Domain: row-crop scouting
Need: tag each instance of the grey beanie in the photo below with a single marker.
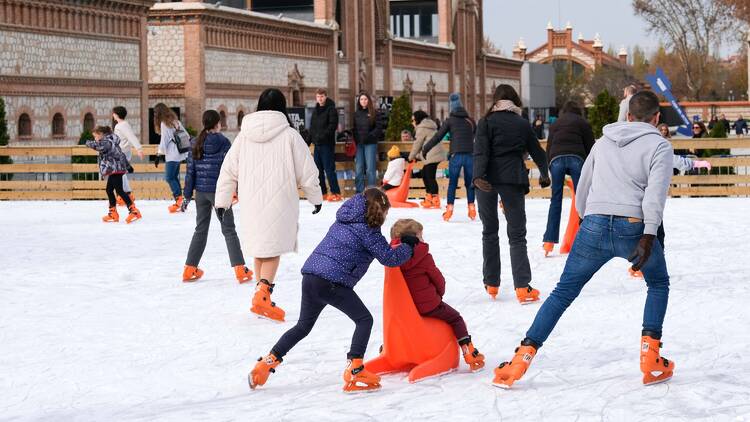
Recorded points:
(454, 101)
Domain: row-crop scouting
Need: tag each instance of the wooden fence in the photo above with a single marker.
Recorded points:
(733, 179)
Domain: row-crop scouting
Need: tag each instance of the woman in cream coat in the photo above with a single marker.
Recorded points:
(267, 163)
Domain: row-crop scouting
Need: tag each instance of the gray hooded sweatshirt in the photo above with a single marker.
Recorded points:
(627, 174)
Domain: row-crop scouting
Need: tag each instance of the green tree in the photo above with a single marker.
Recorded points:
(399, 118)
(603, 112)
(4, 137)
(718, 131)
(84, 159)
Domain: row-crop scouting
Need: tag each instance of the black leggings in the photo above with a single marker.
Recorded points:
(114, 183)
(428, 175)
(316, 294)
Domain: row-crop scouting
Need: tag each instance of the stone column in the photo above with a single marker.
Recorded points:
(323, 11)
(144, 80)
(195, 75)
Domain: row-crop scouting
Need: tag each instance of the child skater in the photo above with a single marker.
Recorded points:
(203, 166)
(427, 287)
(112, 166)
(395, 171)
(329, 276)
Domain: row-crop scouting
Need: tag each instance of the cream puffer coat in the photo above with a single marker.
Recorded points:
(266, 164)
(425, 130)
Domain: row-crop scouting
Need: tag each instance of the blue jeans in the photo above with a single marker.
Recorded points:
(326, 163)
(457, 162)
(366, 160)
(599, 239)
(172, 176)
(559, 167)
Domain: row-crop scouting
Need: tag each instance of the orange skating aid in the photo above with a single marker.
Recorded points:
(448, 214)
(112, 216)
(358, 379)
(492, 290)
(472, 212)
(262, 304)
(472, 357)
(527, 295)
(191, 273)
(243, 274)
(509, 372)
(263, 369)
(548, 248)
(133, 214)
(655, 368)
(399, 195)
(572, 229)
(425, 347)
(177, 204)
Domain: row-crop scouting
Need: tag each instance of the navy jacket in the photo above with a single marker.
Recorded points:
(461, 127)
(349, 247)
(202, 174)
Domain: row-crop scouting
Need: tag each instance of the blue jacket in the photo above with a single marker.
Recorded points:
(202, 174)
(347, 250)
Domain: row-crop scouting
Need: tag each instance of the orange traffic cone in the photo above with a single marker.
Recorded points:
(572, 229)
(426, 347)
(398, 196)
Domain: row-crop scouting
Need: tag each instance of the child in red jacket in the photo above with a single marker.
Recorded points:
(427, 287)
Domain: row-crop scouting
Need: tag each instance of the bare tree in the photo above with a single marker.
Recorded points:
(490, 47)
(692, 29)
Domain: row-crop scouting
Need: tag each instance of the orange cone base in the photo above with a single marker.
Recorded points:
(398, 196)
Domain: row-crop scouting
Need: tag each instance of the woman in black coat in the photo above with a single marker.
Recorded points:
(368, 131)
(503, 140)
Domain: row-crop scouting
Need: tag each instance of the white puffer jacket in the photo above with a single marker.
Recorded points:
(266, 164)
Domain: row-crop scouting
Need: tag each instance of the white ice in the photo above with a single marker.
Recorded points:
(96, 325)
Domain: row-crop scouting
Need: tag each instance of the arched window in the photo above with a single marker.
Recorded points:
(88, 122)
(58, 126)
(240, 116)
(223, 119)
(24, 126)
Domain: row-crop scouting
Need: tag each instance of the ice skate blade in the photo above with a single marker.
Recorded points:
(649, 379)
(529, 302)
(474, 371)
(259, 316)
(501, 385)
(353, 388)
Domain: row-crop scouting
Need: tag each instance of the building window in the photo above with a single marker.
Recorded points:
(88, 122)
(415, 19)
(239, 4)
(223, 119)
(24, 126)
(58, 126)
(295, 9)
(240, 116)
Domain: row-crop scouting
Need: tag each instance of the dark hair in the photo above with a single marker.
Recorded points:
(273, 100)
(703, 129)
(419, 115)
(505, 92)
(103, 130)
(120, 111)
(572, 107)
(210, 119)
(377, 204)
(643, 106)
(370, 106)
(163, 114)
(321, 91)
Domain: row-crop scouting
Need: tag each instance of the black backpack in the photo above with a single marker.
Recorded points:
(182, 139)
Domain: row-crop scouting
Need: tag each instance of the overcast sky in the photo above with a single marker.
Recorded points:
(614, 20)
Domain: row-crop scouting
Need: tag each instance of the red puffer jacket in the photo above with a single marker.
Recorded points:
(424, 279)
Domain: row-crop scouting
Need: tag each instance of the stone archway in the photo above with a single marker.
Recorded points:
(296, 87)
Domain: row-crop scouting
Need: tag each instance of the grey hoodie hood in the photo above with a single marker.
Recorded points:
(623, 133)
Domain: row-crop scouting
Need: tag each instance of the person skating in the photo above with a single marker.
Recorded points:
(266, 164)
(323, 124)
(425, 128)
(427, 286)
(112, 166)
(128, 142)
(461, 129)
(166, 125)
(203, 165)
(329, 275)
(503, 140)
(621, 197)
(395, 171)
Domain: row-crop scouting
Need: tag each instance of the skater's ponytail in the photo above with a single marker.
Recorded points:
(211, 118)
(377, 207)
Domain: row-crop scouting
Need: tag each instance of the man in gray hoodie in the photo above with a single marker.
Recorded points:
(621, 196)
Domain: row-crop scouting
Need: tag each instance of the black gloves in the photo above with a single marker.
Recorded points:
(642, 252)
(410, 240)
(482, 185)
(220, 214)
(544, 181)
(156, 161)
(185, 204)
(317, 209)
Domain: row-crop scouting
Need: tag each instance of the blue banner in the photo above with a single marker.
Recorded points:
(661, 85)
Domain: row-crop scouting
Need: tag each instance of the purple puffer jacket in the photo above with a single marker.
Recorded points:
(350, 245)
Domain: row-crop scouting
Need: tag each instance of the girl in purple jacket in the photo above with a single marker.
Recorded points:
(329, 276)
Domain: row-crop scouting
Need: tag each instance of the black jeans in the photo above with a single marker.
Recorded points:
(204, 206)
(515, 214)
(114, 183)
(316, 294)
(324, 156)
(428, 175)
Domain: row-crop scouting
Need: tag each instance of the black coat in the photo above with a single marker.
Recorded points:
(503, 139)
(571, 134)
(323, 123)
(461, 127)
(364, 132)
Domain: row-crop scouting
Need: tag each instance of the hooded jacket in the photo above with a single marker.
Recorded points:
(111, 158)
(627, 174)
(266, 163)
(202, 174)
(323, 123)
(571, 134)
(461, 127)
(425, 130)
(425, 281)
(349, 247)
